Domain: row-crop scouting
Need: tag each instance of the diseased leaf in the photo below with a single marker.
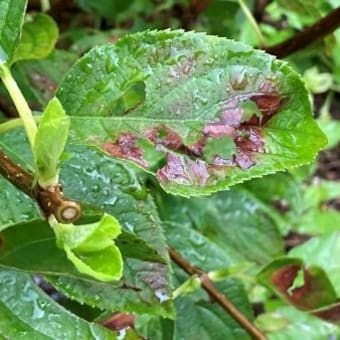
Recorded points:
(11, 18)
(49, 143)
(322, 251)
(316, 291)
(113, 188)
(28, 313)
(39, 35)
(145, 99)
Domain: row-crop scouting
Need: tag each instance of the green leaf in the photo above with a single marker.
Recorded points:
(28, 313)
(198, 316)
(112, 187)
(42, 76)
(143, 288)
(289, 323)
(145, 100)
(11, 18)
(50, 142)
(39, 35)
(90, 247)
(227, 228)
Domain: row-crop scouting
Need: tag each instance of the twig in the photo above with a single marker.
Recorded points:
(209, 287)
(307, 36)
(259, 10)
(50, 199)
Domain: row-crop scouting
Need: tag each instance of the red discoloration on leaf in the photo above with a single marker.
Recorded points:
(217, 130)
(120, 321)
(126, 147)
(232, 116)
(331, 314)
(173, 170)
(183, 171)
(248, 142)
(283, 279)
(166, 137)
(268, 104)
(311, 295)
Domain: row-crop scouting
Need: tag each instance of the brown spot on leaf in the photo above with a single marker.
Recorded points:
(311, 295)
(119, 321)
(248, 142)
(183, 171)
(331, 313)
(126, 147)
(166, 137)
(1, 242)
(217, 130)
(268, 104)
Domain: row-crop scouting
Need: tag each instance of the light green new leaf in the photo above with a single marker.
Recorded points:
(90, 247)
(28, 313)
(11, 19)
(158, 99)
(50, 142)
(39, 35)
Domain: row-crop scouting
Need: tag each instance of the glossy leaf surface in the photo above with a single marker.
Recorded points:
(39, 35)
(11, 19)
(50, 142)
(146, 99)
(37, 316)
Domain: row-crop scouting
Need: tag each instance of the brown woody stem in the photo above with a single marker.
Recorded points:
(217, 296)
(50, 199)
(310, 34)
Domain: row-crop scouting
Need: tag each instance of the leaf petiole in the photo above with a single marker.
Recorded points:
(20, 103)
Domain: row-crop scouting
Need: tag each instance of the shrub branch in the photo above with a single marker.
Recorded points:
(310, 34)
(216, 295)
(50, 199)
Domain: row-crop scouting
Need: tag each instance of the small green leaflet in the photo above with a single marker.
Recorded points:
(50, 142)
(159, 99)
(39, 35)
(90, 247)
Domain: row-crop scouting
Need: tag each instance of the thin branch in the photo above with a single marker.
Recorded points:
(310, 34)
(50, 199)
(259, 10)
(209, 287)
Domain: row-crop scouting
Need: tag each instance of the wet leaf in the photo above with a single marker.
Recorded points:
(49, 143)
(226, 228)
(39, 35)
(144, 286)
(37, 316)
(199, 316)
(91, 247)
(11, 18)
(111, 187)
(145, 100)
